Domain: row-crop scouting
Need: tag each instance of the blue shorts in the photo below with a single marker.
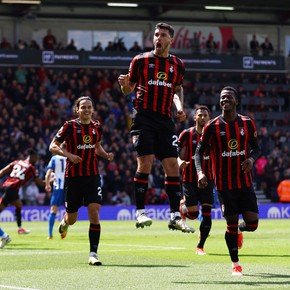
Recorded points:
(57, 197)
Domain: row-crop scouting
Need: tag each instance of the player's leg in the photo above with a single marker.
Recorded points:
(93, 200)
(249, 208)
(74, 190)
(144, 165)
(94, 233)
(18, 216)
(51, 220)
(231, 237)
(230, 209)
(173, 190)
(204, 227)
(189, 209)
(205, 196)
(143, 141)
(4, 239)
(250, 223)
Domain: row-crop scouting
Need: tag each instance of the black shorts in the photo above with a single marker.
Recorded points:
(237, 201)
(154, 135)
(9, 196)
(81, 191)
(195, 195)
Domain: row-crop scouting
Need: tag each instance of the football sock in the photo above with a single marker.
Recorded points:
(231, 237)
(172, 188)
(94, 237)
(51, 221)
(1, 233)
(18, 217)
(141, 186)
(205, 225)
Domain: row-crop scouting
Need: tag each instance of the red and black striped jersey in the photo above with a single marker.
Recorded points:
(187, 141)
(21, 172)
(81, 140)
(156, 79)
(230, 144)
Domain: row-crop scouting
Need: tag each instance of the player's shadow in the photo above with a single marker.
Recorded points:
(268, 275)
(144, 266)
(235, 282)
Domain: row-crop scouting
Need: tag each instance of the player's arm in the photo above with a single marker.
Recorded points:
(178, 99)
(5, 170)
(127, 87)
(56, 148)
(180, 159)
(100, 151)
(255, 151)
(198, 157)
(48, 180)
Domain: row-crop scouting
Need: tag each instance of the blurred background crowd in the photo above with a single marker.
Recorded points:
(34, 103)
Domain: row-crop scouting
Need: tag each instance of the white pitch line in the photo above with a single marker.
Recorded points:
(17, 288)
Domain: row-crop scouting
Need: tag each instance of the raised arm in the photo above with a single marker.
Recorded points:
(127, 87)
(178, 102)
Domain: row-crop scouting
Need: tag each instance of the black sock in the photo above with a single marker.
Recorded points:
(204, 228)
(205, 225)
(172, 188)
(18, 217)
(94, 237)
(141, 186)
(231, 237)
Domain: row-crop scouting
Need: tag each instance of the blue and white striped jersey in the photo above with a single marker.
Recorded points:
(57, 164)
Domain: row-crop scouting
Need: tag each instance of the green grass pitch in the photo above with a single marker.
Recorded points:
(149, 258)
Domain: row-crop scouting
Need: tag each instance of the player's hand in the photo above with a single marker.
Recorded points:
(183, 164)
(110, 156)
(180, 116)
(247, 165)
(48, 188)
(74, 158)
(123, 80)
(202, 180)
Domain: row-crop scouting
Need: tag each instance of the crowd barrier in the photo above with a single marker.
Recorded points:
(122, 213)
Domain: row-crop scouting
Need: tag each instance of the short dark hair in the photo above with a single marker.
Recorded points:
(81, 98)
(162, 25)
(228, 88)
(201, 107)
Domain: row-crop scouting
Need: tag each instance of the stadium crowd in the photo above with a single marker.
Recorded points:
(35, 101)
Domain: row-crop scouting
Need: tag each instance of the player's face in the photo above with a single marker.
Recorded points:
(85, 110)
(228, 101)
(162, 41)
(201, 117)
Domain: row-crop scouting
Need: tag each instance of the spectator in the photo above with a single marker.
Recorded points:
(98, 47)
(34, 45)
(254, 46)
(283, 190)
(49, 41)
(5, 44)
(267, 47)
(20, 45)
(211, 46)
(233, 45)
(71, 45)
(110, 46)
(135, 47)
